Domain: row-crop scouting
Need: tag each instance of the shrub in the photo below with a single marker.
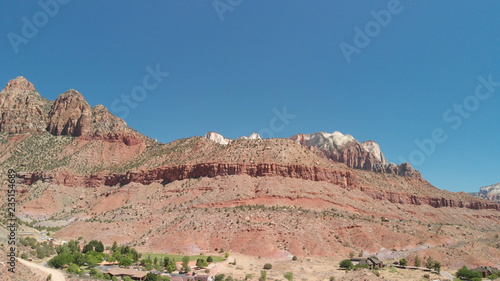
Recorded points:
(268, 266)
(493, 276)
(347, 264)
(151, 277)
(263, 275)
(210, 259)
(73, 268)
(403, 262)
(376, 272)
(294, 258)
(288, 275)
(464, 272)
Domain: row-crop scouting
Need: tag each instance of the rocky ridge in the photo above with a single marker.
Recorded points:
(346, 149)
(490, 192)
(24, 110)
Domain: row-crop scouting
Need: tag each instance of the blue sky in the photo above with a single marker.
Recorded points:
(233, 64)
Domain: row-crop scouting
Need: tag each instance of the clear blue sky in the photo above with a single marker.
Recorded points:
(228, 75)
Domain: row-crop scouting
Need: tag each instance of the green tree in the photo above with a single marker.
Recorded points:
(185, 264)
(418, 262)
(429, 263)
(117, 255)
(226, 255)
(169, 265)
(465, 273)
(219, 277)
(126, 261)
(114, 278)
(79, 259)
(114, 247)
(98, 246)
(73, 268)
(403, 262)
(288, 275)
(346, 264)
(201, 263)
(91, 260)
(210, 259)
(62, 249)
(268, 266)
(126, 278)
(151, 277)
(135, 255)
(437, 266)
(73, 246)
(60, 260)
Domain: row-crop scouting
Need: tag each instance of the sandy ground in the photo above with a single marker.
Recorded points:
(311, 269)
(56, 275)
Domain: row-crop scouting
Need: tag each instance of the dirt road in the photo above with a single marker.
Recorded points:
(56, 275)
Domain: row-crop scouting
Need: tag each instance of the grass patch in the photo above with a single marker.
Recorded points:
(178, 258)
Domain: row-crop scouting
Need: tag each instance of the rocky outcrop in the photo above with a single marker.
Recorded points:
(490, 192)
(217, 138)
(345, 149)
(253, 136)
(70, 115)
(22, 109)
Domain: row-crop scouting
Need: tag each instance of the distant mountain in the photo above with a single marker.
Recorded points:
(490, 192)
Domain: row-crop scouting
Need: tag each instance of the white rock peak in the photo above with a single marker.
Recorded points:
(253, 136)
(374, 148)
(218, 138)
(324, 139)
(490, 189)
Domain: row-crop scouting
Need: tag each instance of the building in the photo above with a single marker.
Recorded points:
(371, 262)
(132, 273)
(485, 270)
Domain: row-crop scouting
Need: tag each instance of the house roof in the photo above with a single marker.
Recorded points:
(488, 269)
(117, 271)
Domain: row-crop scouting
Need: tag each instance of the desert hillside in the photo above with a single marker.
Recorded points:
(324, 195)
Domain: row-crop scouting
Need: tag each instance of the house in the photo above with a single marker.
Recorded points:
(132, 273)
(485, 270)
(372, 262)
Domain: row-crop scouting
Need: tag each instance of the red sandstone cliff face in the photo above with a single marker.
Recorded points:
(165, 175)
